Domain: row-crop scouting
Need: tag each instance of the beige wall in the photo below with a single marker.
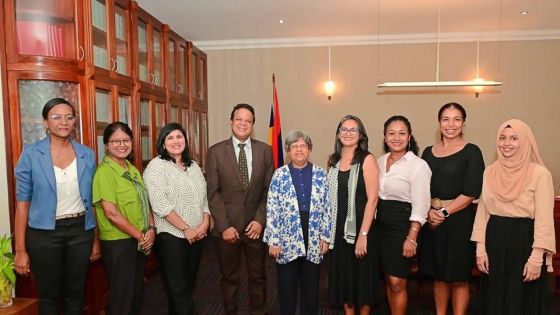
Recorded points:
(530, 71)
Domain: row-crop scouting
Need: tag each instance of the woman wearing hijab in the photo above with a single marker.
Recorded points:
(514, 226)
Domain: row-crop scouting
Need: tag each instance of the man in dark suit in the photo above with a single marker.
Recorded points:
(238, 173)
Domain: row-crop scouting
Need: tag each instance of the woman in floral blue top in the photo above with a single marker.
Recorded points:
(298, 225)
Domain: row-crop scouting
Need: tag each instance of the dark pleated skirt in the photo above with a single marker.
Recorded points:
(447, 253)
(509, 244)
(391, 229)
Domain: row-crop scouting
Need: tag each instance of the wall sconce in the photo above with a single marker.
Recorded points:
(329, 85)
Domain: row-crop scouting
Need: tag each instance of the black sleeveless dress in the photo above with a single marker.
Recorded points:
(351, 280)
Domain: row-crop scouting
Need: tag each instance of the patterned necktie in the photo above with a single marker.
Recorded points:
(242, 164)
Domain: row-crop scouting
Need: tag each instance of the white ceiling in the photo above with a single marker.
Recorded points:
(209, 21)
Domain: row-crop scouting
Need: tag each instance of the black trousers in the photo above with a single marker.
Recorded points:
(307, 274)
(59, 260)
(179, 266)
(124, 266)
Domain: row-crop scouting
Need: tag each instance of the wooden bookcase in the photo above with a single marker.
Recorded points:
(114, 61)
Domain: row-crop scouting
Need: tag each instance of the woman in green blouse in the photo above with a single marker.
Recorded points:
(124, 219)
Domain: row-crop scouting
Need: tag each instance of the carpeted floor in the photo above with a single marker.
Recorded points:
(208, 298)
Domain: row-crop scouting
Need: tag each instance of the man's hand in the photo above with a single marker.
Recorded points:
(253, 230)
(230, 235)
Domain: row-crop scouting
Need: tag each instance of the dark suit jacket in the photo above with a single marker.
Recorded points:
(229, 205)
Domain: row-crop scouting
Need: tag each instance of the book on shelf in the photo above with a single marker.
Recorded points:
(39, 38)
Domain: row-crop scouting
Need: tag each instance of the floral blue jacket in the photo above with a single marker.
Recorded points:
(283, 226)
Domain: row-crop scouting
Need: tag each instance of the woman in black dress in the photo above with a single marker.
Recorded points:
(353, 185)
(446, 252)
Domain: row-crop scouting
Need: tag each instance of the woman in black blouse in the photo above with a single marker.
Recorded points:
(446, 252)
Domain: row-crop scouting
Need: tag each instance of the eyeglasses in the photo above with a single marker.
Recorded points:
(117, 142)
(58, 118)
(349, 131)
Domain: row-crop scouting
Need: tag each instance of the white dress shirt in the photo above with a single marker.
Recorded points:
(407, 180)
(248, 152)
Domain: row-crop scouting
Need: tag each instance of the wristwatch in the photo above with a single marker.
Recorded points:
(444, 211)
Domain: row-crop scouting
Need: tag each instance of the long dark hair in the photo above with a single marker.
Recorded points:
(458, 107)
(52, 103)
(361, 151)
(112, 128)
(160, 144)
(412, 144)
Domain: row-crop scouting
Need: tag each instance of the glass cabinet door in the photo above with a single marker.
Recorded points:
(157, 52)
(103, 117)
(122, 35)
(33, 94)
(145, 131)
(182, 80)
(193, 69)
(172, 83)
(160, 118)
(100, 34)
(196, 135)
(143, 68)
(124, 109)
(202, 77)
(46, 28)
(174, 114)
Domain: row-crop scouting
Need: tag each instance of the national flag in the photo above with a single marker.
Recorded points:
(275, 129)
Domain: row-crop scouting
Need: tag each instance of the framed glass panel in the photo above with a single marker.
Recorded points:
(171, 65)
(182, 70)
(160, 116)
(196, 134)
(99, 33)
(193, 71)
(142, 50)
(145, 137)
(103, 117)
(201, 76)
(185, 120)
(124, 109)
(174, 114)
(33, 95)
(157, 57)
(121, 34)
(46, 28)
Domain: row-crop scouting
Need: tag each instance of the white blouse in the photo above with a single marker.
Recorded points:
(407, 180)
(171, 188)
(68, 199)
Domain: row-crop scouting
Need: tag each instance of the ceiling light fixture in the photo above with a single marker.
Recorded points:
(281, 21)
(478, 83)
(524, 12)
(329, 85)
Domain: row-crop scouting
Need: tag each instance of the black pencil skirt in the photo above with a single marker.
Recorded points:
(391, 227)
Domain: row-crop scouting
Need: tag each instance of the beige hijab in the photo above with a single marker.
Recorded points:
(507, 177)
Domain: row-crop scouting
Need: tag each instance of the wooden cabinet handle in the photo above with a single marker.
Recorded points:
(81, 53)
